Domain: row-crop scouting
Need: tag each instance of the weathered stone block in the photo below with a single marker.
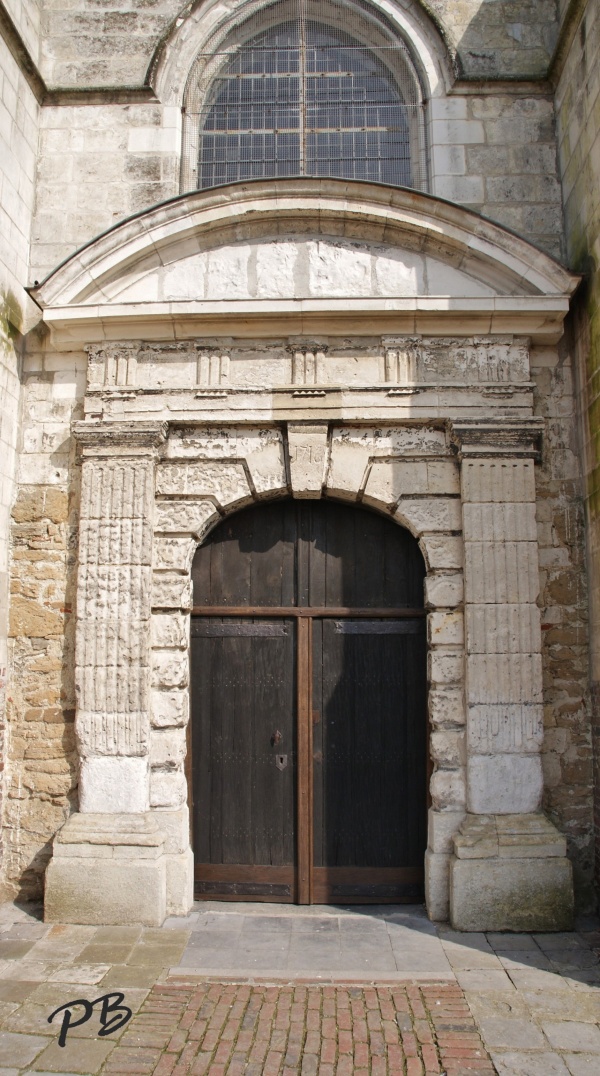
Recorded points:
(167, 747)
(504, 678)
(169, 709)
(171, 590)
(441, 828)
(308, 453)
(442, 551)
(179, 880)
(87, 882)
(508, 727)
(503, 628)
(443, 589)
(170, 630)
(447, 747)
(429, 514)
(447, 706)
(267, 466)
(444, 665)
(167, 788)
(520, 895)
(437, 885)
(498, 480)
(113, 784)
(169, 668)
(504, 783)
(499, 522)
(510, 873)
(224, 481)
(445, 629)
(498, 572)
(173, 553)
(448, 790)
(391, 479)
(185, 516)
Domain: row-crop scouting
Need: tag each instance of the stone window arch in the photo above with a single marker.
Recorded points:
(305, 89)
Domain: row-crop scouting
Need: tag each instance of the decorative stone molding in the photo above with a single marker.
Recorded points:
(498, 437)
(479, 359)
(112, 365)
(212, 369)
(308, 365)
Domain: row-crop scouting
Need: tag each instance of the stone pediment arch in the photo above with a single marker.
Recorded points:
(315, 248)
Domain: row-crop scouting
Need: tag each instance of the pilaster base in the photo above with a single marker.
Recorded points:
(107, 870)
(510, 872)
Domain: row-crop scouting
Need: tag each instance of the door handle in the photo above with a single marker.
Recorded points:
(276, 738)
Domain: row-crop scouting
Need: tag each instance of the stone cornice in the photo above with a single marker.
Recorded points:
(126, 437)
(497, 437)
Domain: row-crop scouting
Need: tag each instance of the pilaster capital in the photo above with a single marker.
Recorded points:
(119, 438)
(504, 438)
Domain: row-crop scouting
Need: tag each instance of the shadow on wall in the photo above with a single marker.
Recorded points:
(500, 39)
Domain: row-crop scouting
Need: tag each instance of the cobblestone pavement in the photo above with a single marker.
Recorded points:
(515, 1005)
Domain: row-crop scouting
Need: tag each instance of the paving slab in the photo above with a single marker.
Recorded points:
(20, 1050)
(511, 1033)
(83, 1056)
(529, 1064)
(582, 1064)
(573, 1035)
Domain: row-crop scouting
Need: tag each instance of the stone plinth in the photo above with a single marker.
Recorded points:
(107, 869)
(510, 872)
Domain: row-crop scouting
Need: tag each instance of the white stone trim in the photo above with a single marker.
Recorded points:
(417, 221)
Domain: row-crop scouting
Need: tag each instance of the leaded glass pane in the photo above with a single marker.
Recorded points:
(306, 98)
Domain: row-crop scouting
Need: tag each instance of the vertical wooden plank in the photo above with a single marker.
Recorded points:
(305, 792)
(318, 746)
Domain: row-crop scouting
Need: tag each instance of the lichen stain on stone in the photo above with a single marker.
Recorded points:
(11, 315)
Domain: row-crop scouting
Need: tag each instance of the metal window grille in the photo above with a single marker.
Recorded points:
(303, 88)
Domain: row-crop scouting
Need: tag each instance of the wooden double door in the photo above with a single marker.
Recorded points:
(309, 729)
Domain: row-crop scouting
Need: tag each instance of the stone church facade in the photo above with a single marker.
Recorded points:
(176, 348)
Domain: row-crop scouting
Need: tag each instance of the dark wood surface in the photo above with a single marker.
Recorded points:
(244, 723)
(311, 554)
(369, 747)
(308, 644)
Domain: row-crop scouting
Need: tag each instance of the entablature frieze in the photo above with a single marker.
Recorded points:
(380, 378)
(277, 364)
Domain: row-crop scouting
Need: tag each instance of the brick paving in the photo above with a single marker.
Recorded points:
(209, 1028)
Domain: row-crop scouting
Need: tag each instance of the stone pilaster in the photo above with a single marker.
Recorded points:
(112, 652)
(503, 682)
(112, 678)
(502, 620)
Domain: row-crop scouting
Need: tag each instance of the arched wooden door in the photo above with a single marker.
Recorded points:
(309, 725)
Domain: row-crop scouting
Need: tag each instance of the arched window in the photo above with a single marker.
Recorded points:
(331, 91)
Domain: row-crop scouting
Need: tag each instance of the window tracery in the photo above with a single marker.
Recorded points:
(304, 88)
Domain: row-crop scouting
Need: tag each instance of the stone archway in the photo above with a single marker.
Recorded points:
(308, 638)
